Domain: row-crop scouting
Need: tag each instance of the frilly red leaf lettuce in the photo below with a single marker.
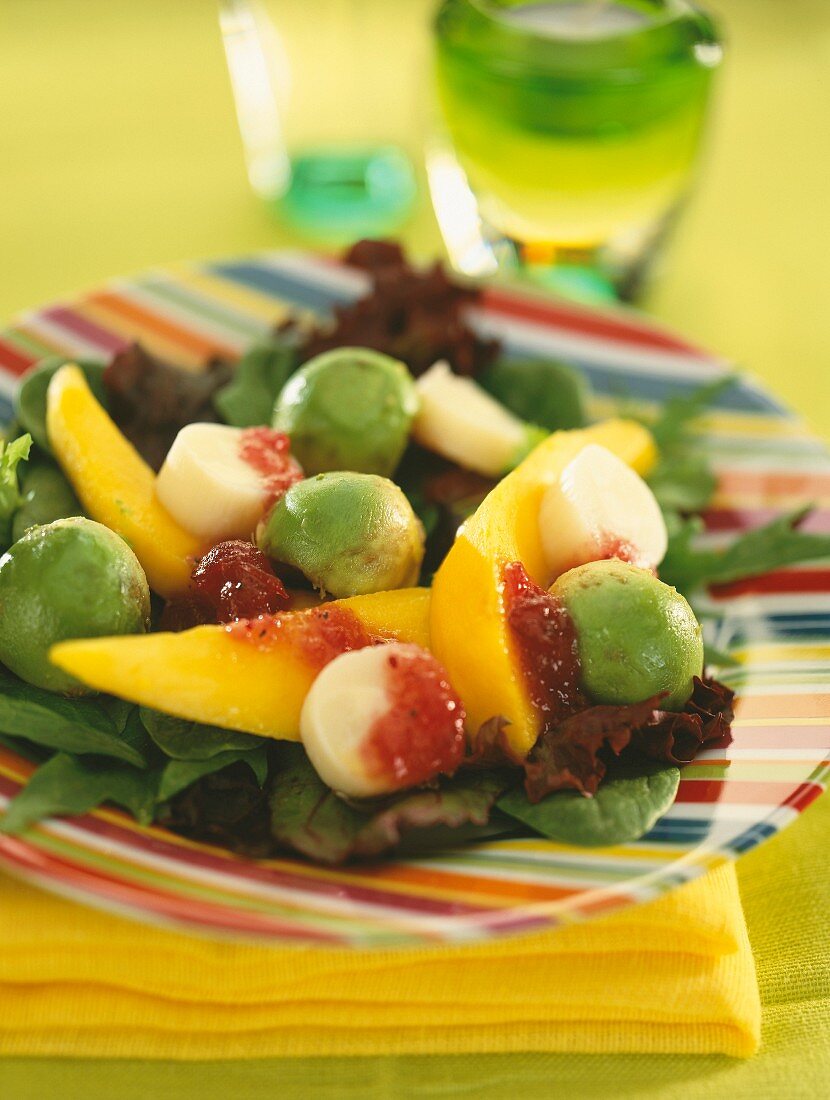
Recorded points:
(150, 400)
(573, 753)
(569, 754)
(413, 315)
(677, 738)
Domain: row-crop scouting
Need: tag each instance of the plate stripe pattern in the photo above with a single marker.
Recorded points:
(777, 628)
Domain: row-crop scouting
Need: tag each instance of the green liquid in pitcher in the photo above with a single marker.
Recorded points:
(577, 123)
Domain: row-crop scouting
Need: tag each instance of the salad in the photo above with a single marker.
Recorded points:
(377, 587)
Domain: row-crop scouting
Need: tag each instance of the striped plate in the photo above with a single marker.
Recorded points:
(778, 627)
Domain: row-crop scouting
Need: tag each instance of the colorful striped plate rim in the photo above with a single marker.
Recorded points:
(731, 799)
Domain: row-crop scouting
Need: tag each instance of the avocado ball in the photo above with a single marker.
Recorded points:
(637, 636)
(541, 391)
(348, 409)
(348, 533)
(73, 578)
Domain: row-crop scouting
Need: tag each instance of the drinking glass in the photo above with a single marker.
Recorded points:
(328, 96)
(576, 125)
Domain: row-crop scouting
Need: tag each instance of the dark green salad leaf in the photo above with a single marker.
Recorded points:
(177, 775)
(624, 808)
(121, 714)
(11, 455)
(70, 785)
(308, 817)
(776, 544)
(247, 401)
(184, 740)
(683, 482)
(671, 427)
(540, 391)
(22, 748)
(683, 479)
(83, 726)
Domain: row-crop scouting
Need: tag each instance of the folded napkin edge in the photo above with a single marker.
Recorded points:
(575, 1037)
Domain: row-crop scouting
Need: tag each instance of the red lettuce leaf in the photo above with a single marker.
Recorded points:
(413, 315)
(491, 746)
(150, 400)
(568, 754)
(677, 738)
(573, 754)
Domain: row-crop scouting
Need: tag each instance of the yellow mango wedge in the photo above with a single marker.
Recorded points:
(468, 628)
(208, 675)
(114, 483)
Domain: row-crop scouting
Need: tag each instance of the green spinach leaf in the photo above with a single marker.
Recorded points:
(82, 726)
(683, 479)
(68, 785)
(624, 808)
(683, 482)
(247, 401)
(176, 775)
(551, 394)
(184, 740)
(776, 544)
(671, 426)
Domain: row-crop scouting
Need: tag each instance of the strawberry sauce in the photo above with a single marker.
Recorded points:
(268, 452)
(422, 733)
(320, 633)
(612, 546)
(544, 636)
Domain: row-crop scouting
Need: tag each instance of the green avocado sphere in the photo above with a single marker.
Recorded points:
(348, 533)
(637, 636)
(73, 578)
(348, 409)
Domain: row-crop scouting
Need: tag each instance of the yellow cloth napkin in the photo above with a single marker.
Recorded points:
(676, 975)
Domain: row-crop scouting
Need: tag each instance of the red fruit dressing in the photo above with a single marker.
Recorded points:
(268, 452)
(604, 548)
(422, 733)
(319, 633)
(612, 546)
(544, 636)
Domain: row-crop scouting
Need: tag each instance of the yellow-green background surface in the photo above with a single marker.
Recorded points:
(119, 150)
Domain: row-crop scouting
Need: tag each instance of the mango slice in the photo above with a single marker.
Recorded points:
(208, 675)
(114, 483)
(468, 628)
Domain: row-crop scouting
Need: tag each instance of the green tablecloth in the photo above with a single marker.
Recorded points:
(120, 151)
